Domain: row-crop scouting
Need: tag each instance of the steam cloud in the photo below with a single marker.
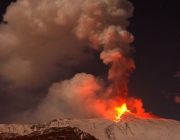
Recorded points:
(47, 36)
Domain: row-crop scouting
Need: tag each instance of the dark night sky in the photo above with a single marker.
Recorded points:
(156, 28)
(155, 25)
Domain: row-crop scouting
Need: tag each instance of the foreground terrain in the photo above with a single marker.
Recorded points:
(128, 128)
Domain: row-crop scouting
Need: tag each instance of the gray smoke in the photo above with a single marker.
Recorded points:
(46, 38)
(39, 41)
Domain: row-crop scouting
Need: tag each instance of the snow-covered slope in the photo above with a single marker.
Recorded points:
(128, 128)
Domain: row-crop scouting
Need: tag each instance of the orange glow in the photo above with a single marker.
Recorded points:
(120, 111)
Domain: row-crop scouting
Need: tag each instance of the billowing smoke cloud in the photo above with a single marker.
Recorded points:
(47, 36)
(39, 41)
(43, 34)
(77, 97)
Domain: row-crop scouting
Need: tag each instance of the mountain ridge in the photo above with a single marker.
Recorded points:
(129, 128)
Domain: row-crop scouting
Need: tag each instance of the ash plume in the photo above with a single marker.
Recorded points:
(44, 33)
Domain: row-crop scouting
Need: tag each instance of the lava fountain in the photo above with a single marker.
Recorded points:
(120, 111)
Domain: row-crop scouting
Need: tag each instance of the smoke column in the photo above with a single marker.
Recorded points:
(46, 37)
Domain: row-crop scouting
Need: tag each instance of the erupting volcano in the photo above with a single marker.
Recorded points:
(44, 46)
(51, 40)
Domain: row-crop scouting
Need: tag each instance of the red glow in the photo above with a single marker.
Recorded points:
(134, 107)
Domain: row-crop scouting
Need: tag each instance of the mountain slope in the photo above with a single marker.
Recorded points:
(129, 128)
(54, 133)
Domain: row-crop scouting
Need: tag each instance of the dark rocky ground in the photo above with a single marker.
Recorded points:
(56, 133)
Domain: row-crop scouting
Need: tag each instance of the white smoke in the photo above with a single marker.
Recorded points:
(41, 34)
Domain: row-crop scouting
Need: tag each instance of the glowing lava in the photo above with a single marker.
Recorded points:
(120, 110)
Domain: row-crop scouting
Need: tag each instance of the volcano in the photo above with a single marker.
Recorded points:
(44, 46)
(128, 128)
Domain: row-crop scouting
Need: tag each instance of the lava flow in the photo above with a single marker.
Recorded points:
(120, 111)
